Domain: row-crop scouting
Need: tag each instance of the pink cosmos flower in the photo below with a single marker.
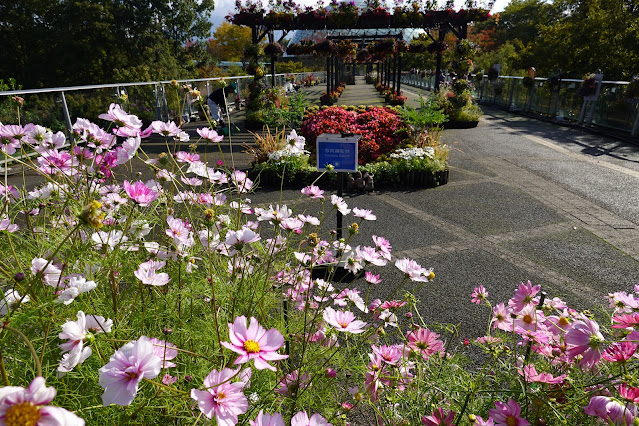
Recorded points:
(524, 295)
(127, 367)
(241, 181)
(76, 333)
(221, 398)
(340, 204)
(165, 129)
(439, 417)
(364, 214)
(267, 420)
(629, 393)
(11, 297)
(530, 375)
(302, 419)
(507, 414)
(236, 240)
(413, 270)
(168, 380)
(425, 342)
(584, 338)
(128, 149)
(140, 193)
(313, 192)
(620, 351)
(20, 406)
(611, 410)
(186, 157)
(343, 321)
(370, 255)
(372, 278)
(147, 273)
(292, 383)
(254, 343)
(209, 135)
(58, 162)
(479, 294)
(50, 273)
(501, 318)
(389, 354)
(481, 422)
(383, 246)
(166, 351)
(626, 320)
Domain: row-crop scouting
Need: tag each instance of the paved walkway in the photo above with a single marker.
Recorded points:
(526, 200)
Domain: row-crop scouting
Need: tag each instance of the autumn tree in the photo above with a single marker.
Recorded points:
(229, 42)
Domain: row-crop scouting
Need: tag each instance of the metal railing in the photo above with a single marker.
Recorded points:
(149, 100)
(608, 108)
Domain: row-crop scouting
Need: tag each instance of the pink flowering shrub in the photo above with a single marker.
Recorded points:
(172, 299)
(381, 128)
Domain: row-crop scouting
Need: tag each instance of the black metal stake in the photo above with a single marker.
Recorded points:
(340, 192)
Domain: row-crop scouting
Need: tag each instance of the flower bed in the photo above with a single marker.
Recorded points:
(380, 127)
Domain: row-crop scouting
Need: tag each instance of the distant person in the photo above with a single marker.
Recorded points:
(217, 102)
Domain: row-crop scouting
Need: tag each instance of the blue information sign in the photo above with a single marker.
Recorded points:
(340, 152)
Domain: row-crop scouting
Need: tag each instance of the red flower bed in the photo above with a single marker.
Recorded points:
(381, 128)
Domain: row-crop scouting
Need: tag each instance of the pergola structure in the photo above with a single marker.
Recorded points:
(346, 18)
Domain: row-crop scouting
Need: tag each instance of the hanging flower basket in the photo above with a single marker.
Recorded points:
(324, 48)
(274, 49)
(279, 19)
(588, 86)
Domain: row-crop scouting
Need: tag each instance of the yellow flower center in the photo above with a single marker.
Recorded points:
(251, 346)
(23, 414)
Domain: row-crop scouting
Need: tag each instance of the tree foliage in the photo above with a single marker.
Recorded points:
(576, 36)
(64, 42)
(229, 42)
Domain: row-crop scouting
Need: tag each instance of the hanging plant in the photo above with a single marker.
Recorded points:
(363, 56)
(324, 48)
(588, 86)
(345, 48)
(274, 49)
(437, 46)
(315, 18)
(492, 74)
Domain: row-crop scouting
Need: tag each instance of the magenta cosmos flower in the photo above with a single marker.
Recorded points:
(20, 406)
(254, 343)
(611, 410)
(343, 321)
(425, 342)
(140, 193)
(583, 338)
(507, 414)
(439, 417)
(221, 398)
(126, 368)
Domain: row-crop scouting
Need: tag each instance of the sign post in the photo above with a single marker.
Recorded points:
(338, 152)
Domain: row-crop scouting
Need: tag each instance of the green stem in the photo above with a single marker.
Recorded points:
(34, 354)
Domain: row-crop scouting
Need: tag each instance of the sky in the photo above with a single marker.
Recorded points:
(224, 7)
